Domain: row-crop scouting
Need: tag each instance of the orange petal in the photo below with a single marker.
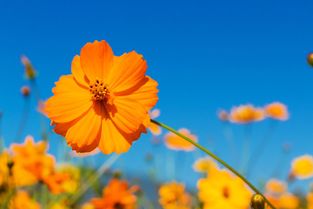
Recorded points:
(127, 114)
(78, 72)
(96, 60)
(128, 70)
(85, 132)
(69, 102)
(145, 94)
(112, 140)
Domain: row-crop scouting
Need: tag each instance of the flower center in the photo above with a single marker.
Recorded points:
(226, 192)
(99, 90)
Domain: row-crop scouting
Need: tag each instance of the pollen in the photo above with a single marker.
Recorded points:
(99, 91)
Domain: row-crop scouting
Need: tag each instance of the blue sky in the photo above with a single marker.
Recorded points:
(205, 55)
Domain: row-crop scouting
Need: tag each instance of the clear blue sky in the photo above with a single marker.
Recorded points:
(205, 55)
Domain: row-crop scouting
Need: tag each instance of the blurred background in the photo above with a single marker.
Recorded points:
(205, 55)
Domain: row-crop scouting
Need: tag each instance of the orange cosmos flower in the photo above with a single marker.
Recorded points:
(302, 167)
(277, 111)
(31, 162)
(22, 200)
(116, 195)
(104, 102)
(172, 141)
(173, 196)
(276, 187)
(246, 114)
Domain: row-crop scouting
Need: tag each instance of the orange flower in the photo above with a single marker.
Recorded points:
(276, 187)
(173, 196)
(31, 162)
(116, 195)
(310, 59)
(302, 167)
(105, 102)
(205, 165)
(246, 114)
(155, 129)
(22, 200)
(277, 111)
(172, 141)
(289, 201)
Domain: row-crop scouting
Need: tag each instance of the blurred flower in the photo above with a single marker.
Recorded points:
(173, 196)
(31, 162)
(29, 69)
(87, 206)
(310, 59)
(276, 187)
(302, 167)
(4, 169)
(309, 199)
(205, 165)
(288, 201)
(59, 205)
(223, 115)
(25, 91)
(277, 111)
(64, 179)
(172, 141)
(155, 129)
(246, 114)
(117, 194)
(223, 190)
(104, 102)
(22, 200)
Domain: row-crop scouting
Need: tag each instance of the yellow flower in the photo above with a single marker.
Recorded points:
(246, 114)
(31, 162)
(22, 200)
(172, 141)
(302, 167)
(277, 111)
(223, 190)
(309, 198)
(205, 165)
(276, 187)
(104, 103)
(4, 168)
(173, 196)
(155, 129)
(64, 179)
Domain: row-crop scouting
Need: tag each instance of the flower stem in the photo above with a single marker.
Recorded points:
(216, 158)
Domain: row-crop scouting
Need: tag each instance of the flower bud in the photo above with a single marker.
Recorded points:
(25, 91)
(257, 202)
(29, 69)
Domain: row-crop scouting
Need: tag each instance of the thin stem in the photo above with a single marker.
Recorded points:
(216, 158)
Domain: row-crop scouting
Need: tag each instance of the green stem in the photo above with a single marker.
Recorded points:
(216, 158)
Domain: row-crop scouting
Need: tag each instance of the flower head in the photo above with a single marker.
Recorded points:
(310, 59)
(116, 195)
(276, 187)
(302, 167)
(22, 200)
(172, 141)
(31, 162)
(205, 165)
(277, 111)
(104, 102)
(173, 196)
(246, 114)
(223, 190)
